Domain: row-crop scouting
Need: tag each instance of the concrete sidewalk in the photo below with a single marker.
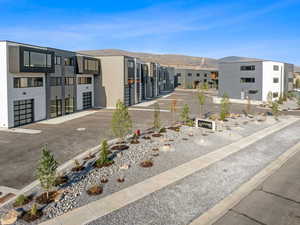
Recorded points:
(275, 202)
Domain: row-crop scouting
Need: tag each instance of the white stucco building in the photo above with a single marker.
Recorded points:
(254, 79)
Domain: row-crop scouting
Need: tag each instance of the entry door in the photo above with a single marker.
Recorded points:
(87, 100)
(23, 112)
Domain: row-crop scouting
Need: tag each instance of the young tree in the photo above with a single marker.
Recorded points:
(156, 119)
(173, 110)
(201, 99)
(46, 170)
(270, 98)
(275, 109)
(248, 106)
(103, 155)
(121, 121)
(225, 107)
(33, 210)
(185, 114)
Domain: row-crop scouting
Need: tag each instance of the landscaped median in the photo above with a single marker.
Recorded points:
(115, 166)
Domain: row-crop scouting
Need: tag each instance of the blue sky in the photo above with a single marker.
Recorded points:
(252, 28)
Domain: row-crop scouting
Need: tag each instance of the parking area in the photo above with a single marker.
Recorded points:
(20, 152)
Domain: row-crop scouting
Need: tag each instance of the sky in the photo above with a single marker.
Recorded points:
(208, 28)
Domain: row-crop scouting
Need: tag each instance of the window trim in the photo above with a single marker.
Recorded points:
(243, 80)
(28, 85)
(36, 69)
(247, 68)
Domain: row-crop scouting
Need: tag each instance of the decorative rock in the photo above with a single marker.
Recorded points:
(125, 167)
(59, 195)
(10, 218)
(166, 148)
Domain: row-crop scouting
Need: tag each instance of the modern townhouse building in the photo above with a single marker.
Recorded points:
(118, 75)
(40, 83)
(145, 81)
(138, 80)
(255, 79)
(191, 78)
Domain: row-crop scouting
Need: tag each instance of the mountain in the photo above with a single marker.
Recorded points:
(178, 61)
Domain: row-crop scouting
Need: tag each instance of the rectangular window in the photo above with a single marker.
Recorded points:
(27, 82)
(189, 74)
(69, 61)
(130, 64)
(26, 59)
(275, 80)
(276, 68)
(57, 60)
(198, 75)
(69, 80)
(247, 80)
(205, 75)
(178, 74)
(55, 81)
(247, 68)
(55, 108)
(275, 94)
(84, 80)
(91, 65)
(252, 92)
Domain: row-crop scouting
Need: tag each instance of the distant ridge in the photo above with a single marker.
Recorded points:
(178, 61)
(175, 60)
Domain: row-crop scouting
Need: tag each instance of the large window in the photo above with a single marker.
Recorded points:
(69, 80)
(91, 65)
(55, 108)
(55, 81)
(246, 68)
(34, 59)
(69, 61)
(27, 82)
(84, 80)
(247, 80)
(69, 105)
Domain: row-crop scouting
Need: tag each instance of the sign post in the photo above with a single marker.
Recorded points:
(208, 124)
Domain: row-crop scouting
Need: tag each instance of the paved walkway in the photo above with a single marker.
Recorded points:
(275, 202)
(180, 195)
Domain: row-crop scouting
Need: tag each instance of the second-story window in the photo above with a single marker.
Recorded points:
(69, 80)
(57, 60)
(91, 65)
(37, 59)
(189, 74)
(55, 81)
(27, 82)
(84, 80)
(247, 68)
(247, 80)
(69, 61)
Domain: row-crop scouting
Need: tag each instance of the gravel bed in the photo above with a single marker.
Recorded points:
(203, 189)
(184, 148)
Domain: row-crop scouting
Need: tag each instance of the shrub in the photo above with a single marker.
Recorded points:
(121, 121)
(46, 170)
(21, 200)
(33, 210)
(280, 99)
(103, 155)
(225, 107)
(156, 121)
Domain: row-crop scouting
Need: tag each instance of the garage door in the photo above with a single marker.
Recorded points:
(23, 112)
(87, 100)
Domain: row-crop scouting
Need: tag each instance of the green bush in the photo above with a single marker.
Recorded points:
(201, 100)
(103, 155)
(275, 109)
(20, 200)
(185, 115)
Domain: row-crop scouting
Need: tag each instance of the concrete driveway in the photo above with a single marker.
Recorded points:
(19, 152)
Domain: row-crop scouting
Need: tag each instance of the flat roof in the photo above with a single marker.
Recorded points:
(45, 47)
